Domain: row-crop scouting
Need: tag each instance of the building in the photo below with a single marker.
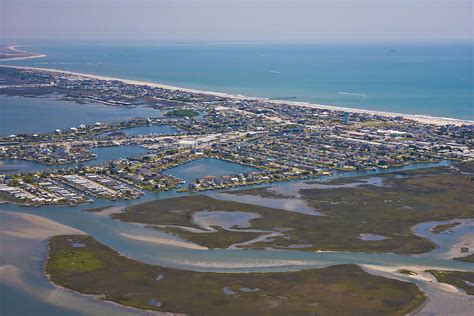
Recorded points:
(345, 118)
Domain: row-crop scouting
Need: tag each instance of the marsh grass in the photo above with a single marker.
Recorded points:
(335, 290)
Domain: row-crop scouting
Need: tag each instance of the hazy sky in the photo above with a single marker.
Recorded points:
(239, 20)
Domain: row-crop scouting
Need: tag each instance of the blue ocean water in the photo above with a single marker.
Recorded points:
(424, 78)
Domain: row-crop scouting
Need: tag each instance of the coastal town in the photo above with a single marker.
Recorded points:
(281, 140)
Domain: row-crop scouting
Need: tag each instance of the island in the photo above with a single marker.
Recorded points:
(182, 113)
(82, 264)
(444, 227)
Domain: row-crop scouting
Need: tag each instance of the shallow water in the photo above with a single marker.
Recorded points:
(288, 204)
(226, 220)
(293, 191)
(26, 291)
(288, 193)
(372, 237)
(446, 239)
(47, 113)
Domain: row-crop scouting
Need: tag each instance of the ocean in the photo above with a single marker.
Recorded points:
(433, 79)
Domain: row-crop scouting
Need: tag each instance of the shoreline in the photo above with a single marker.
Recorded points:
(36, 227)
(453, 250)
(165, 241)
(441, 298)
(15, 49)
(96, 298)
(421, 118)
(49, 292)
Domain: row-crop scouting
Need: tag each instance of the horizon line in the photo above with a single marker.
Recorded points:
(112, 41)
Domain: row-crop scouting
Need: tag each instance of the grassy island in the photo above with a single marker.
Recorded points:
(82, 264)
(438, 229)
(182, 113)
(390, 211)
(469, 258)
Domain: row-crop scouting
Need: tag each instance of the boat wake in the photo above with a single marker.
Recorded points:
(352, 94)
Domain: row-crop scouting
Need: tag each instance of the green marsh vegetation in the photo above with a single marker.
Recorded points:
(182, 113)
(336, 290)
(469, 258)
(392, 210)
(444, 227)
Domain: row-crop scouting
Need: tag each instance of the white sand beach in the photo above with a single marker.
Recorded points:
(443, 299)
(35, 227)
(15, 49)
(467, 241)
(164, 241)
(420, 274)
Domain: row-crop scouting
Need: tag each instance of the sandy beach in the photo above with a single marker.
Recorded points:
(35, 227)
(15, 49)
(164, 241)
(467, 241)
(420, 274)
(418, 118)
(443, 299)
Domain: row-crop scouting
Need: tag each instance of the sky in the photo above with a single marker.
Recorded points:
(237, 20)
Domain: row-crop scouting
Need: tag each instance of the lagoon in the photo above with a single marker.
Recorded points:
(207, 167)
(47, 113)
